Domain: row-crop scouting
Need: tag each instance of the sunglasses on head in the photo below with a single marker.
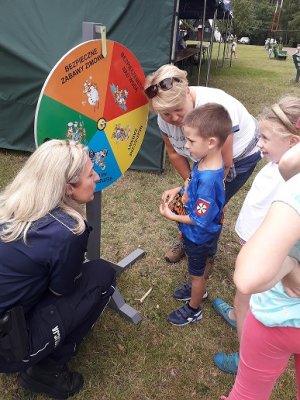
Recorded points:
(165, 84)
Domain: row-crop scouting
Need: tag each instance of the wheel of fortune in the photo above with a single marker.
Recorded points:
(98, 101)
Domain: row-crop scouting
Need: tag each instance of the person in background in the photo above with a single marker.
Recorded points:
(171, 98)
(279, 132)
(233, 47)
(296, 59)
(50, 297)
(198, 207)
(267, 43)
(271, 332)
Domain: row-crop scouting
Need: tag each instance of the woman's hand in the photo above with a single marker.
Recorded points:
(168, 195)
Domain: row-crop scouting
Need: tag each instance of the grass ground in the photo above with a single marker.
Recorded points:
(154, 360)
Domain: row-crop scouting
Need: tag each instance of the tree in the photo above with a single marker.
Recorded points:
(244, 18)
(254, 18)
(290, 21)
(264, 11)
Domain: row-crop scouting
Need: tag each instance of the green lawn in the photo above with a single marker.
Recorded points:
(154, 360)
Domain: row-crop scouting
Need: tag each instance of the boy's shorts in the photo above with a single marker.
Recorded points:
(197, 255)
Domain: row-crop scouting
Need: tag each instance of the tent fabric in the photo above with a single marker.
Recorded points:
(194, 9)
(36, 34)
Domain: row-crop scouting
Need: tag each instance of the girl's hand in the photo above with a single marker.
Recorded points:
(291, 282)
(289, 164)
(168, 195)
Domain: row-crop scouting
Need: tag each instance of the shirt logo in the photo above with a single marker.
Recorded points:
(202, 207)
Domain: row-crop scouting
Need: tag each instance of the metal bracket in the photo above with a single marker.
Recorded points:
(102, 30)
(93, 30)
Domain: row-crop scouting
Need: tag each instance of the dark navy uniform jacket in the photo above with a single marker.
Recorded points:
(51, 258)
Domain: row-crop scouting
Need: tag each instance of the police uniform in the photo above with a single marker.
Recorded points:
(52, 261)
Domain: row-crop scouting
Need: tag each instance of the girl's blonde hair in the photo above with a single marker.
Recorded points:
(284, 116)
(172, 98)
(40, 187)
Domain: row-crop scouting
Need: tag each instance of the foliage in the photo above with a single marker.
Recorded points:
(264, 15)
(254, 18)
(294, 24)
(187, 24)
(244, 17)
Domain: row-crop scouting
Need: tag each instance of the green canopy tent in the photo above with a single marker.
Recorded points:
(34, 35)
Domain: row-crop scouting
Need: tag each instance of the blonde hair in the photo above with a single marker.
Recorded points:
(168, 99)
(40, 187)
(284, 116)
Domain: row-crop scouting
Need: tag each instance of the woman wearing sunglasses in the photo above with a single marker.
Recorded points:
(171, 97)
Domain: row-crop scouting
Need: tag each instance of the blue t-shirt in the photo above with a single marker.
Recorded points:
(204, 200)
(51, 258)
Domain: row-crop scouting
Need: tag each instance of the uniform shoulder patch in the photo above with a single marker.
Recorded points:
(202, 207)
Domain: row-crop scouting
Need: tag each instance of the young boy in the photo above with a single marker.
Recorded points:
(206, 129)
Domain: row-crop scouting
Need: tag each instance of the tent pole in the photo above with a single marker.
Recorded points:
(220, 40)
(225, 41)
(211, 47)
(229, 33)
(230, 30)
(175, 29)
(201, 44)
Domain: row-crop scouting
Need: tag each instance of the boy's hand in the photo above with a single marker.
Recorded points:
(168, 195)
(166, 212)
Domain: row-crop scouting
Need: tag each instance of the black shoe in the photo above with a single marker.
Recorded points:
(60, 383)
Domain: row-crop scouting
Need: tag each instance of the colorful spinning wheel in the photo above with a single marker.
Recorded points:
(98, 101)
